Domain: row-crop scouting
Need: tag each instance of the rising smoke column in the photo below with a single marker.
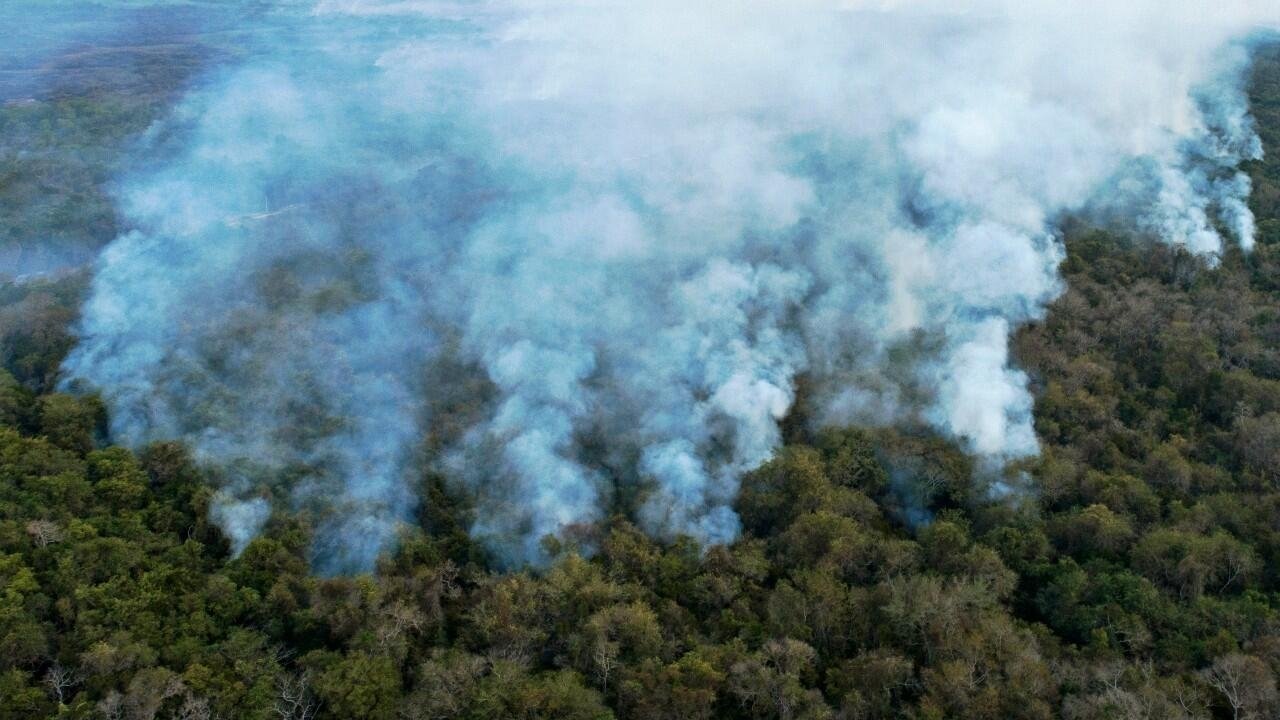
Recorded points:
(639, 222)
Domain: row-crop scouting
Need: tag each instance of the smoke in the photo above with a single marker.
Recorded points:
(638, 224)
(78, 79)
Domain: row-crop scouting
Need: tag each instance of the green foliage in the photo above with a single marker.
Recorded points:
(1134, 572)
(356, 686)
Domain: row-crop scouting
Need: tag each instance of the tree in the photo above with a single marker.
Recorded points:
(1190, 563)
(1094, 530)
(61, 680)
(357, 687)
(70, 423)
(21, 699)
(44, 532)
(682, 690)
(770, 683)
(1258, 445)
(1245, 684)
(148, 691)
(294, 697)
(445, 686)
(872, 684)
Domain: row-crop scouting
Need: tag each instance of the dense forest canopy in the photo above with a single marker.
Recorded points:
(1129, 569)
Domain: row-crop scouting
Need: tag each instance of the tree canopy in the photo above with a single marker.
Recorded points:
(1135, 575)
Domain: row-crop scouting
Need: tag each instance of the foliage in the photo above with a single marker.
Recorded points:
(1137, 575)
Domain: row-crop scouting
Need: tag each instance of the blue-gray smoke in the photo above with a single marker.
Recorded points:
(639, 223)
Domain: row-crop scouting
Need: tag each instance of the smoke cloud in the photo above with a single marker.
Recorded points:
(636, 224)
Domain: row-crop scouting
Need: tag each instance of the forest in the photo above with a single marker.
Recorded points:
(1136, 575)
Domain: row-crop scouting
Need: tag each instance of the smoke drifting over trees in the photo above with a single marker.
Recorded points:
(637, 225)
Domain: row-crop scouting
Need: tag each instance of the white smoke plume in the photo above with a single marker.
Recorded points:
(640, 223)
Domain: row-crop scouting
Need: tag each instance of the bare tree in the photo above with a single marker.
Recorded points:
(60, 680)
(444, 685)
(149, 690)
(605, 659)
(44, 532)
(112, 706)
(1235, 561)
(194, 707)
(294, 699)
(1244, 682)
(398, 618)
